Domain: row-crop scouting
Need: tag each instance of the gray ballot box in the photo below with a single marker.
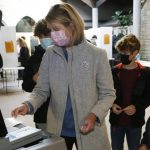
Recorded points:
(48, 142)
(22, 137)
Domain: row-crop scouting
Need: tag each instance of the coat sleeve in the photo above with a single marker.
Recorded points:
(146, 135)
(116, 81)
(24, 56)
(143, 92)
(41, 90)
(105, 87)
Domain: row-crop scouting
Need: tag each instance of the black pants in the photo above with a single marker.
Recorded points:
(70, 141)
(20, 74)
(1, 73)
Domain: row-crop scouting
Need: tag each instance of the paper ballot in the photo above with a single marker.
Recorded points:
(20, 134)
(11, 124)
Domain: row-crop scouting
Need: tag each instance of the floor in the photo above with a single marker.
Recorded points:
(15, 96)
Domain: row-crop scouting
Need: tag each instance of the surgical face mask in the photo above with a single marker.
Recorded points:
(59, 38)
(45, 42)
(125, 59)
(138, 57)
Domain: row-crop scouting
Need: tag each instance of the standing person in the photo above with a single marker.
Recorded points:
(132, 84)
(145, 142)
(31, 74)
(23, 55)
(1, 65)
(1, 59)
(24, 51)
(1, 19)
(94, 39)
(78, 75)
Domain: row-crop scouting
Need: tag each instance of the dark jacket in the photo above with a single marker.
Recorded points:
(24, 56)
(28, 84)
(140, 96)
(146, 134)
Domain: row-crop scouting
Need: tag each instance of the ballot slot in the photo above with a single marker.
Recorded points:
(24, 136)
(16, 133)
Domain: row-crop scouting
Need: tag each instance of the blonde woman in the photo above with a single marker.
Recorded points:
(23, 55)
(78, 75)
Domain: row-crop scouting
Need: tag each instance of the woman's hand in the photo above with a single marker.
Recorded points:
(130, 110)
(88, 124)
(116, 109)
(36, 77)
(21, 110)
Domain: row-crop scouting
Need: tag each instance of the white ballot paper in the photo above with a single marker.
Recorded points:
(11, 123)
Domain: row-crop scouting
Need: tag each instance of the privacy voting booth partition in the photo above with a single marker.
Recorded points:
(104, 38)
(8, 48)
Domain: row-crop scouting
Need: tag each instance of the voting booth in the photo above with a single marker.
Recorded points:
(8, 48)
(16, 136)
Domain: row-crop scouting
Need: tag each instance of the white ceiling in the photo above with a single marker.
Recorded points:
(14, 10)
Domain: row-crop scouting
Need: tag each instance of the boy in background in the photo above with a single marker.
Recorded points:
(132, 84)
(31, 75)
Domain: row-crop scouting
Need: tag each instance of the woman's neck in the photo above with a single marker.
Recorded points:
(132, 65)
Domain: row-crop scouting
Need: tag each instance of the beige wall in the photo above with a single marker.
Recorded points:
(145, 31)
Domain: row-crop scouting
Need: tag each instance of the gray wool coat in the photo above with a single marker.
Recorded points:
(88, 75)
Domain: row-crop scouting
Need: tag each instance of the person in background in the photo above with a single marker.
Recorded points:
(94, 39)
(31, 74)
(1, 19)
(77, 74)
(116, 38)
(132, 84)
(23, 55)
(24, 51)
(145, 142)
(1, 59)
(1, 65)
(23, 37)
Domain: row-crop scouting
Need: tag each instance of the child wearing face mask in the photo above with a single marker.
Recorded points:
(132, 84)
(31, 74)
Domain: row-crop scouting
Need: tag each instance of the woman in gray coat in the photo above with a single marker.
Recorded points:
(79, 78)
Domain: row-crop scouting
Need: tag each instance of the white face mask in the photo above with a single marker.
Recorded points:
(45, 42)
(60, 38)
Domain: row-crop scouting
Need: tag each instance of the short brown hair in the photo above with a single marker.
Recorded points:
(65, 14)
(128, 43)
(41, 28)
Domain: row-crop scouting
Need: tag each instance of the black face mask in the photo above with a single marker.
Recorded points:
(125, 59)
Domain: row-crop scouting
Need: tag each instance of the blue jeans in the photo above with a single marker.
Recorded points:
(133, 136)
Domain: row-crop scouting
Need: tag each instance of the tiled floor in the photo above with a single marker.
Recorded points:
(15, 96)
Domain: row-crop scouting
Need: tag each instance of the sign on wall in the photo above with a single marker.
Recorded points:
(8, 46)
